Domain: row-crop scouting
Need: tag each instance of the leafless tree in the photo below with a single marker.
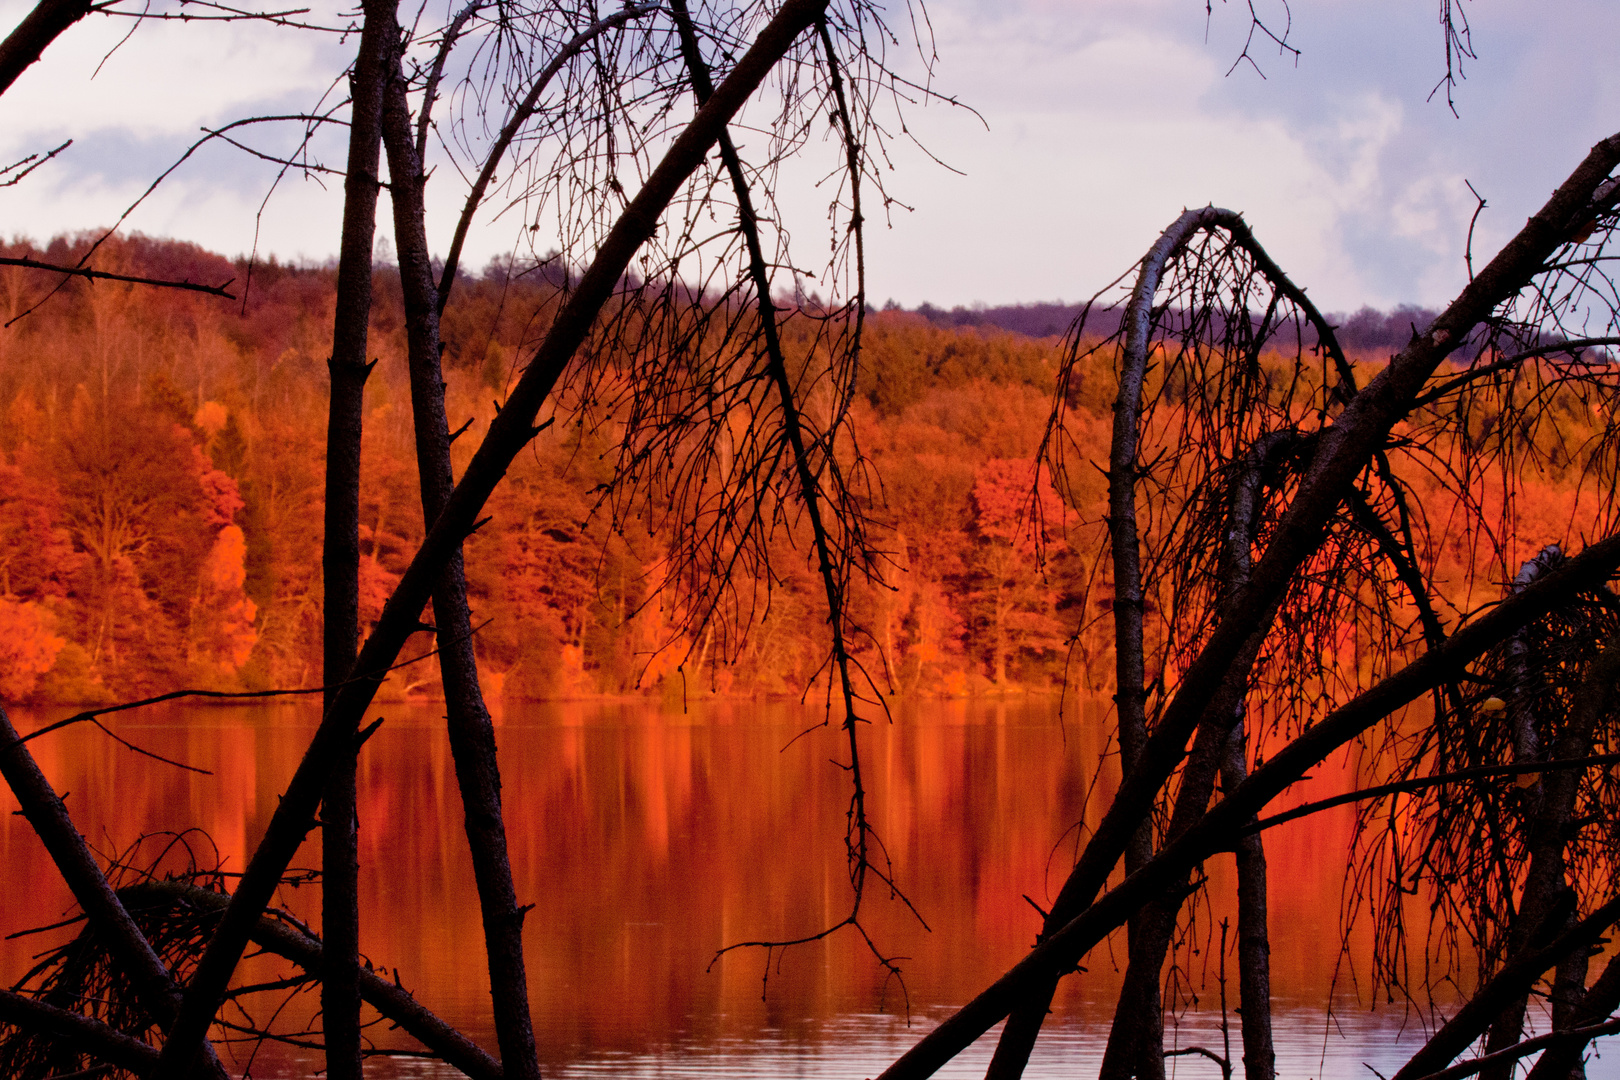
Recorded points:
(596, 108)
(1337, 542)
(1262, 513)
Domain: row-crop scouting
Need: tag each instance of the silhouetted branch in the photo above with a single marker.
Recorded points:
(38, 29)
(218, 695)
(104, 275)
(46, 813)
(508, 433)
(430, 90)
(1459, 46)
(1215, 832)
(831, 562)
(88, 1035)
(276, 934)
(1592, 1009)
(521, 115)
(1523, 1049)
(223, 13)
(1511, 982)
(32, 162)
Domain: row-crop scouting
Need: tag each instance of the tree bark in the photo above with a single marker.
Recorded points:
(1568, 990)
(509, 432)
(1136, 1038)
(1551, 804)
(28, 41)
(472, 732)
(340, 555)
(1254, 945)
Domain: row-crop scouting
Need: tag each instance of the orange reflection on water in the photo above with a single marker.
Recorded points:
(648, 840)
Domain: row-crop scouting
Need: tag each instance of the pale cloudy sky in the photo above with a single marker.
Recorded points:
(1102, 120)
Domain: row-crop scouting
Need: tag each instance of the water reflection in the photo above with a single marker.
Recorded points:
(647, 840)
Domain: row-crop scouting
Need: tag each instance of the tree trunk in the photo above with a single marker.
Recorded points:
(1254, 945)
(1568, 989)
(42, 26)
(1093, 921)
(1564, 1060)
(1549, 804)
(1254, 942)
(1136, 1037)
(340, 556)
(1345, 449)
(472, 733)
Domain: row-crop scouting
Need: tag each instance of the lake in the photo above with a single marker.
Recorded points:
(649, 838)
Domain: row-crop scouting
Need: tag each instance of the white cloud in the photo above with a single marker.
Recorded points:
(168, 78)
(1106, 118)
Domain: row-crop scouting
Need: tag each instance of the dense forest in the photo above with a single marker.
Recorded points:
(161, 472)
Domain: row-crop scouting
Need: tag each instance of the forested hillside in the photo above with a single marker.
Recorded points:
(161, 478)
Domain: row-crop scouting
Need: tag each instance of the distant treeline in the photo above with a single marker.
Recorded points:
(1367, 331)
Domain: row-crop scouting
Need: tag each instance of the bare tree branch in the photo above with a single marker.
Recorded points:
(93, 274)
(280, 937)
(42, 26)
(1216, 832)
(510, 431)
(521, 115)
(49, 818)
(92, 1036)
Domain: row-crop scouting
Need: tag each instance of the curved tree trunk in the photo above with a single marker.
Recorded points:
(1130, 694)
(1136, 1038)
(1345, 448)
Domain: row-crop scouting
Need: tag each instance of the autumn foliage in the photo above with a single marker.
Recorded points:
(161, 484)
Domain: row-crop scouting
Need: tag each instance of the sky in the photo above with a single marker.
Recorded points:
(1093, 124)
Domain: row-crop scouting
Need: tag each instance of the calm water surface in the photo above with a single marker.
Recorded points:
(648, 839)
